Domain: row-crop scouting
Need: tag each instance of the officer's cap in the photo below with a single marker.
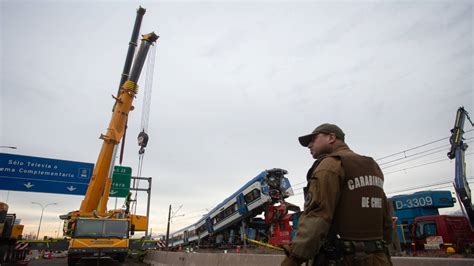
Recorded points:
(324, 128)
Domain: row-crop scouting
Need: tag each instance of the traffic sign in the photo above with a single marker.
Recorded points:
(36, 174)
(120, 181)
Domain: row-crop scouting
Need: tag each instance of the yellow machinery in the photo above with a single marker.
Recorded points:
(94, 230)
(9, 234)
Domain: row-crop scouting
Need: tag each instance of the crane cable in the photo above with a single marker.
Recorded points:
(143, 135)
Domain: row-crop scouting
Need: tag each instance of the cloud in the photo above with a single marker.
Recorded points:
(234, 85)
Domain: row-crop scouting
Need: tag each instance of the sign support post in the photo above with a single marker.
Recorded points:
(148, 191)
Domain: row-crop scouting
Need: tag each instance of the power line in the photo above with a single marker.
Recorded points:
(188, 218)
(201, 210)
(414, 148)
(417, 147)
(416, 166)
(299, 183)
(299, 187)
(176, 211)
(424, 186)
(438, 158)
(440, 148)
(417, 187)
(433, 151)
(413, 159)
(298, 194)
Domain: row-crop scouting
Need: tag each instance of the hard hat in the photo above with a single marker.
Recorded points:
(450, 250)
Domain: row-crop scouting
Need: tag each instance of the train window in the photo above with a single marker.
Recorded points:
(256, 193)
(228, 212)
(217, 219)
(223, 214)
(252, 195)
(248, 197)
(201, 229)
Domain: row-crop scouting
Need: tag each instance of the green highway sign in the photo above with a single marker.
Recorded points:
(120, 181)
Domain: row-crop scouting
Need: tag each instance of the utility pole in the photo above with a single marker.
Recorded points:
(168, 228)
(171, 216)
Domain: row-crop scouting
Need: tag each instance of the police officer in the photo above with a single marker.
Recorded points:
(346, 218)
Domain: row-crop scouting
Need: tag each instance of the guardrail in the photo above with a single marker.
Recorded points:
(161, 258)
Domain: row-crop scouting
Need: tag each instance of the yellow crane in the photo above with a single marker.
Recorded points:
(94, 230)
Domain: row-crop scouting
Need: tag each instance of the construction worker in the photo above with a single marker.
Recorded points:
(346, 218)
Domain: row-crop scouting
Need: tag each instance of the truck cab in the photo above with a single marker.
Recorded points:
(95, 238)
(443, 231)
(408, 207)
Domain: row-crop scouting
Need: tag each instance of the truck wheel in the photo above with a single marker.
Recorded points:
(72, 261)
(121, 258)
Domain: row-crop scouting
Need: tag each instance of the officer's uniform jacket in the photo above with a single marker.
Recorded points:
(354, 203)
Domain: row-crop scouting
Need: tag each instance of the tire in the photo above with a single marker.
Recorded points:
(121, 258)
(72, 261)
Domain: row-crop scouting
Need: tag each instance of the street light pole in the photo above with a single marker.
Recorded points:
(41, 217)
(59, 227)
(13, 148)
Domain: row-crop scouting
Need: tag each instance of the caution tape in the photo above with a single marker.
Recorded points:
(264, 244)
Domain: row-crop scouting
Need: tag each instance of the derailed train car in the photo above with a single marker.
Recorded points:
(228, 222)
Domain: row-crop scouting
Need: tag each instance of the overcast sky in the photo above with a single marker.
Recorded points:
(235, 84)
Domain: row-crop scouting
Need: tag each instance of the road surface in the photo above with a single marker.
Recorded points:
(91, 262)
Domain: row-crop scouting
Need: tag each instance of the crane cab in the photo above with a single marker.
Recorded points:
(99, 237)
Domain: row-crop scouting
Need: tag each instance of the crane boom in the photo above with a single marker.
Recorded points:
(97, 191)
(458, 148)
(94, 231)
